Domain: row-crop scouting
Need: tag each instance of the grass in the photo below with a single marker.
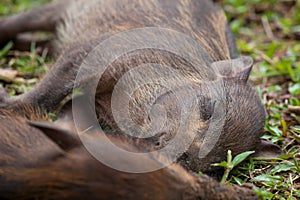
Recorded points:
(269, 31)
(8, 7)
(29, 68)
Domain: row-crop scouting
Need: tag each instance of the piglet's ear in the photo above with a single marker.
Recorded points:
(239, 68)
(63, 138)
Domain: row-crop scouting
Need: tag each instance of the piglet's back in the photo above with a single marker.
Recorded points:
(100, 19)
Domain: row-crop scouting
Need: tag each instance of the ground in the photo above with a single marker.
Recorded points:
(267, 30)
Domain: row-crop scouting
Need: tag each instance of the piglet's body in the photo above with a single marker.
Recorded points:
(43, 161)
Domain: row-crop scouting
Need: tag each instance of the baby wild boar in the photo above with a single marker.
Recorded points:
(82, 25)
(43, 161)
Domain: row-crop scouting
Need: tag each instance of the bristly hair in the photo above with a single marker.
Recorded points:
(25, 111)
(101, 19)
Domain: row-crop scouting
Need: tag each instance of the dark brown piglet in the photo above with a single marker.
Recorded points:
(217, 75)
(43, 161)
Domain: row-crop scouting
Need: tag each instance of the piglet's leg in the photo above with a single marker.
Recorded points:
(52, 89)
(43, 18)
(57, 84)
(23, 42)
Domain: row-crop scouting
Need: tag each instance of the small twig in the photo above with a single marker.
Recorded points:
(267, 27)
(264, 56)
(18, 53)
(10, 80)
(294, 109)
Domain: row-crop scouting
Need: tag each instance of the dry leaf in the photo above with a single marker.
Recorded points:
(8, 73)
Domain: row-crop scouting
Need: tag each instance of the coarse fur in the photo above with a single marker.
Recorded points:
(33, 166)
(197, 18)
